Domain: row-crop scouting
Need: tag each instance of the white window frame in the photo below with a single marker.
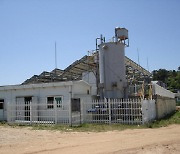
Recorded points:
(59, 106)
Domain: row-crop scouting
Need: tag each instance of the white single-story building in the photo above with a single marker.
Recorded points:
(61, 93)
(71, 102)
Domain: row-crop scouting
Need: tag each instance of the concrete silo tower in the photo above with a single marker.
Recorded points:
(112, 72)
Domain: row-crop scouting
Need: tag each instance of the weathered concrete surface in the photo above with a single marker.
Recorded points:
(164, 106)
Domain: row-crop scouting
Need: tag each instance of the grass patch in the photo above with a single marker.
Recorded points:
(87, 127)
(170, 119)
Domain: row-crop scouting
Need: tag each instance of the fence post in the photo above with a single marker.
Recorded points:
(8, 112)
(143, 111)
(30, 103)
(70, 114)
(109, 105)
(55, 111)
(81, 112)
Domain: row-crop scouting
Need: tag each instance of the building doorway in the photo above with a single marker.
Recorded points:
(1, 109)
(75, 111)
(27, 101)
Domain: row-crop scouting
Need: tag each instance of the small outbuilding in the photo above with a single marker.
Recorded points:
(44, 94)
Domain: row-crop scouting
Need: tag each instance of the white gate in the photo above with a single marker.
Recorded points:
(34, 113)
(119, 111)
(107, 111)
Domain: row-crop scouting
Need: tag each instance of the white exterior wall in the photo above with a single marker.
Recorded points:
(165, 106)
(148, 110)
(90, 78)
(158, 90)
(40, 92)
(80, 88)
(165, 101)
(1, 115)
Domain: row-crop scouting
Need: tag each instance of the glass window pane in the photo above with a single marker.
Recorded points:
(1, 103)
(59, 101)
(50, 102)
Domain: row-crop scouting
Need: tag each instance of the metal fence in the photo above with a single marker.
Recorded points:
(97, 111)
(34, 113)
(113, 111)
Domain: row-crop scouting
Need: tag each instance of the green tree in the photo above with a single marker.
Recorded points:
(170, 77)
(179, 68)
(160, 75)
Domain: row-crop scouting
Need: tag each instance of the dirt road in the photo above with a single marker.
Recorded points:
(164, 140)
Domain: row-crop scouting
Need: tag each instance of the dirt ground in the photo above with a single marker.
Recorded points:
(164, 140)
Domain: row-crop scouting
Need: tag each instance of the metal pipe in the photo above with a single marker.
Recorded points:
(101, 38)
(116, 38)
(70, 108)
(128, 43)
(97, 43)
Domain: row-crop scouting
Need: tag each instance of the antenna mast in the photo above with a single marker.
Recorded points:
(138, 56)
(147, 64)
(55, 56)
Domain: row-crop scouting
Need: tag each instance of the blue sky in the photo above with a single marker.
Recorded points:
(29, 28)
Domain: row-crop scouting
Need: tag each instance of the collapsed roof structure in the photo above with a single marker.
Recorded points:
(88, 63)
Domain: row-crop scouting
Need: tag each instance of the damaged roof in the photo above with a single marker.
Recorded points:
(88, 63)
